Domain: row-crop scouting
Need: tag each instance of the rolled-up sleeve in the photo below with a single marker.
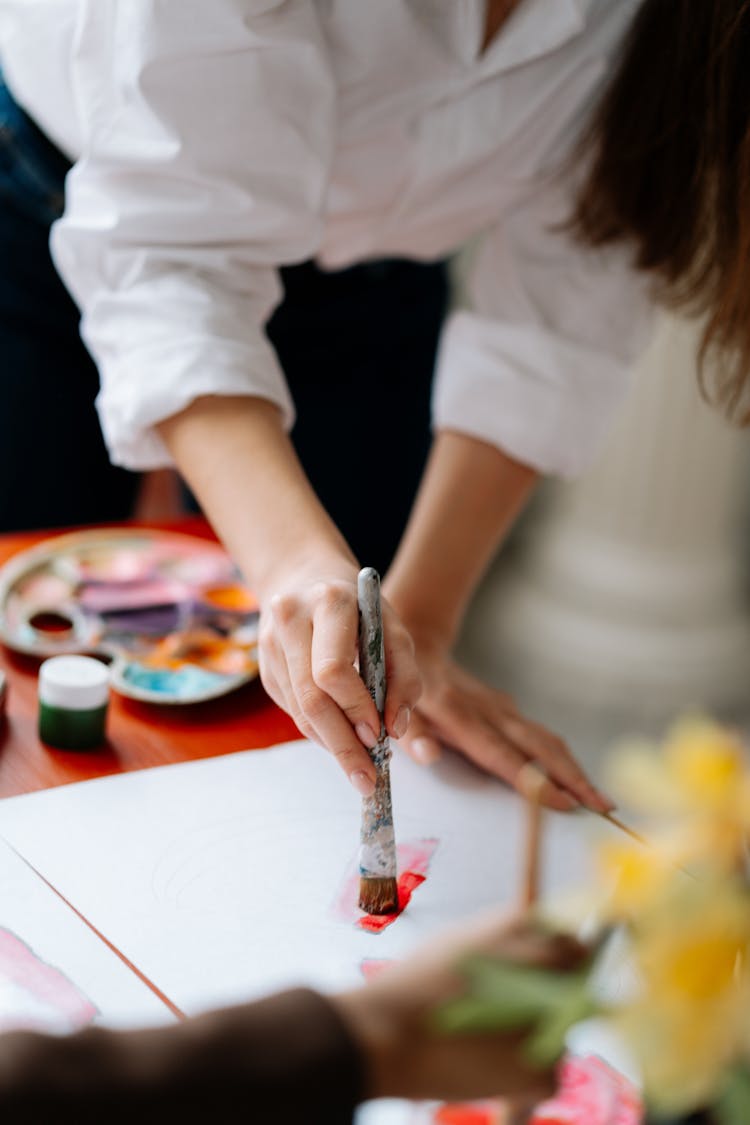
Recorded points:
(539, 362)
(206, 139)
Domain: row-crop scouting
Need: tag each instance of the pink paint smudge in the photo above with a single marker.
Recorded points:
(44, 986)
(590, 1093)
(371, 967)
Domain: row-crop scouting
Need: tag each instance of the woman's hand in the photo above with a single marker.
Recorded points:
(308, 646)
(407, 1056)
(470, 495)
(302, 571)
(484, 725)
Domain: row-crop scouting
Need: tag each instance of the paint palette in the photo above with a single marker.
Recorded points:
(168, 610)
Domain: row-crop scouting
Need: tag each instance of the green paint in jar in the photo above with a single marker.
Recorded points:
(73, 698)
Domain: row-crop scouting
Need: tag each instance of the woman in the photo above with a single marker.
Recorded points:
(214, 143)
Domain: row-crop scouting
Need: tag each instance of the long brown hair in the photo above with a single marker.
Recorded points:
(669, 172)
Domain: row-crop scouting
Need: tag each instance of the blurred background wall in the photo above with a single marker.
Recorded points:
(622, 599)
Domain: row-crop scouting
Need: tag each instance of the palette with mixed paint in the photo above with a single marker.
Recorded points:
(169, 611)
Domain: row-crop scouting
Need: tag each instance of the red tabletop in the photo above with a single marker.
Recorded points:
(140, 734)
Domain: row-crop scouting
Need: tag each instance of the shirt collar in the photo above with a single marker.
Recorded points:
(535, 28)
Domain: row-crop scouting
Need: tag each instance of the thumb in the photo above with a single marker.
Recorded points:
(419, 742)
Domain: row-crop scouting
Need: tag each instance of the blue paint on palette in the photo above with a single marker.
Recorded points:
(185, 682)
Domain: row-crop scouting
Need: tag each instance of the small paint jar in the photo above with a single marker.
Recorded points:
(73, 698)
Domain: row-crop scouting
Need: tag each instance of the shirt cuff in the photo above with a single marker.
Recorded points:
(543, 399)
(146, 386)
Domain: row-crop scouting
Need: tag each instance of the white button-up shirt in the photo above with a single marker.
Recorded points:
(215, 140)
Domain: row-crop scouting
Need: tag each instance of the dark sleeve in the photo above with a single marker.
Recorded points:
(288, 1060)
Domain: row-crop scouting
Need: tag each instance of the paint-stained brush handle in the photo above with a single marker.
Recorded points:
(377, 856)
(371, 648)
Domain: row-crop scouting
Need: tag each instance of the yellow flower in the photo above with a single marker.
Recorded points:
(706, 762)
(634, 877)
(700, 788)
(688, 1021)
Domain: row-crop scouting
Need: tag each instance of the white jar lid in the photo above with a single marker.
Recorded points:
(78, 683)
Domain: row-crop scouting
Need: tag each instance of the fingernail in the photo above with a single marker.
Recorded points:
(362, 782)
(426, 751)
(366, 735)
(401, 722)
(600, 803)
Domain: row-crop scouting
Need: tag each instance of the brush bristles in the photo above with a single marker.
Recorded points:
(378, 896)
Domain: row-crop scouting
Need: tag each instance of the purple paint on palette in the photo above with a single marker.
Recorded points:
(109, 597)
(223, 621)
(152, 621)
(128, 597)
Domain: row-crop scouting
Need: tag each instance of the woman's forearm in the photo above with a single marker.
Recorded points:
(243, 469)
(469, 497)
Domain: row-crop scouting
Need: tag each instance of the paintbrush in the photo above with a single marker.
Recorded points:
(531, 781)
(378, 890)
(624, 828)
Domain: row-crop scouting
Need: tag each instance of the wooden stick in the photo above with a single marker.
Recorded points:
(624, 828)
(378, 888)
(531, 781)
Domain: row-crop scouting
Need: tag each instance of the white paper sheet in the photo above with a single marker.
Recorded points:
(55, 974)
(218, 878)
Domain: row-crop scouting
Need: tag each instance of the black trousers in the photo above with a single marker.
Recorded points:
(357, 347)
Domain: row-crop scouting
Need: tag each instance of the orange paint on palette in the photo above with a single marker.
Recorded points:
(205, 649)
(236, 598)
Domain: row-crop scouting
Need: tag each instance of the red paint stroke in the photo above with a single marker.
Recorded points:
(45, 984)
(476, 1113)
(407, 884)
(413, 858)
(371, 967)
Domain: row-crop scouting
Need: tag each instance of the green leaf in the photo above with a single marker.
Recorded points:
(733, 1105)
(547, 1042)
(503, 995)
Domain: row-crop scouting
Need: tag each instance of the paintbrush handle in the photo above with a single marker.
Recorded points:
(378, 845)
(371, 650)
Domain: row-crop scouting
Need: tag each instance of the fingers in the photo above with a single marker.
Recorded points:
(487, 728)
(314, 711)
(403, 682)
(308, 648)
(524, 939)
(497, 754)
(497, 933)
(463, 724)
(333, 650)
(420, 743)
(559, 764)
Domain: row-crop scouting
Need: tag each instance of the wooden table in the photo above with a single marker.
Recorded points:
(140, 734)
